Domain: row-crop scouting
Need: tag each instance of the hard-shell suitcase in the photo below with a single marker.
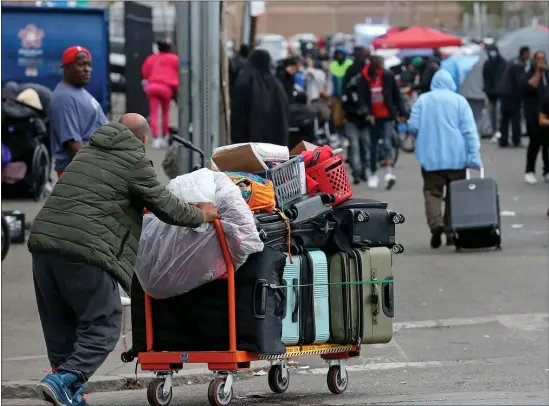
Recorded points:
(368, 222)
(376, 267)
(345, 299)
(474, 212)
(306, 319)
(198, 320)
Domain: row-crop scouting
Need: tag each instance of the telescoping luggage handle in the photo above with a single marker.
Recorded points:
(468, 173)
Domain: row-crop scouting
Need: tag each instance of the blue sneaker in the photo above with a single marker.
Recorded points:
(58, 388)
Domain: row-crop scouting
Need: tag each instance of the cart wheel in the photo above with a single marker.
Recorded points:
(155, 395)
(276, 382)
(336, 385)
(216, 396)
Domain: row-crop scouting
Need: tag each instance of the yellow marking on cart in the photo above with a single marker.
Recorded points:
(297, 351)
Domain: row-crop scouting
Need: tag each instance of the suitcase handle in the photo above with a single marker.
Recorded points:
(260, 284)
(388, 298)
(468, 173)
(295, 312)
(283, 293)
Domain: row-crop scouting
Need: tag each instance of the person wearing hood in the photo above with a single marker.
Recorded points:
(492, 73)
(84, 242)
(338, 68)
(511, 99)
(260, 107)
(447, 143)
(426, 70)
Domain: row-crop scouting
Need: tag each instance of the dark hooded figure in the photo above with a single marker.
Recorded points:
(492, 73)
(259, 111)
(236, 64)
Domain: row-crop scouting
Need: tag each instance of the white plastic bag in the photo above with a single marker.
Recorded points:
(173, 260)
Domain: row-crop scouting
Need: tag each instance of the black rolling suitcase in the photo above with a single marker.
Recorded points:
(369, 222)
(198, 320)
(474, 212)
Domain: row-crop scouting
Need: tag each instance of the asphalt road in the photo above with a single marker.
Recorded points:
(472, 328)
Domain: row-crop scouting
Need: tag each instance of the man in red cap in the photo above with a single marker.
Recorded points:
(74, 113)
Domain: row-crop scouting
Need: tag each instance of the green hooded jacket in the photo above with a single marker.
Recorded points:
(95, 211)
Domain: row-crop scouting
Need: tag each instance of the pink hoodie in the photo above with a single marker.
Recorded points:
(162, 68)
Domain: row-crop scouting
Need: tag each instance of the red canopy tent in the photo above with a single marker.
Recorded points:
(416, 38)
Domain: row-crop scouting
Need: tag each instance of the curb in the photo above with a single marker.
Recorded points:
(25, 389)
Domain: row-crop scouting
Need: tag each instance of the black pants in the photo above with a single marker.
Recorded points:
(538, 140)
(513, 117)
(81, 313)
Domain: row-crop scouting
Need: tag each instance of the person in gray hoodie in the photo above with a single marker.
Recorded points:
(315, 87)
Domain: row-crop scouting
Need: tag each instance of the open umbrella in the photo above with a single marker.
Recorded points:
(417, 37)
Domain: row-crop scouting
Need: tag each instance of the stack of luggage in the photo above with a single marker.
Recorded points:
(324, 276)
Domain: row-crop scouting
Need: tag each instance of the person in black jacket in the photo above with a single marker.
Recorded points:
(492, 73)
(259, 111)
(386, 107)
(285, 74)
(426, 70)
(535, 90)
(236, 64)
(511, 103)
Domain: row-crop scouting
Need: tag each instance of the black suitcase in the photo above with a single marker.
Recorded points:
(368, 222)
(198, 320)
(475, 220)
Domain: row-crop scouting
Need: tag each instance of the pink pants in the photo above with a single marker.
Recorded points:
(159, 95)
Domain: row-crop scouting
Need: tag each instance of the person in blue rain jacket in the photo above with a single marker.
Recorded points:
(447, 143)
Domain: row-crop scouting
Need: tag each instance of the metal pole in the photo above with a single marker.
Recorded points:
(196, 76)
(184, 52)
(246, 24)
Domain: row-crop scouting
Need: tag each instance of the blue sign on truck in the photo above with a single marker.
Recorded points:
(34, 38)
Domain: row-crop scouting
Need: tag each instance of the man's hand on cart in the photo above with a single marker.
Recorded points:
(209, 211)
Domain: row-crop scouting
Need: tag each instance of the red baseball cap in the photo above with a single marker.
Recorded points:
(70, 54)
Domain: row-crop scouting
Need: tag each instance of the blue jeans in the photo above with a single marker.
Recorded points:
(382, 130)
(359, 143)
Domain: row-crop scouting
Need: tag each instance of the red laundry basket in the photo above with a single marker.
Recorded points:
(332, 179)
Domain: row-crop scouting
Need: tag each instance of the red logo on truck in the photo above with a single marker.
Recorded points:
(31, 36)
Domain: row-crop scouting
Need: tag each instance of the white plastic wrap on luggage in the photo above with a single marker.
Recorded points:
(173, 260)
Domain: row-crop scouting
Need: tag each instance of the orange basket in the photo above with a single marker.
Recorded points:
(332, 179)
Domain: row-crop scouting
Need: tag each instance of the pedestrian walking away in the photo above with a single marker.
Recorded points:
(535, 89)
(338, 68)
(236, 64)
(492, 74)
(160, 81)
(84, 243)
(447, 143)
(386, 108)
(74, 114)
(426, 71)
(511, 101)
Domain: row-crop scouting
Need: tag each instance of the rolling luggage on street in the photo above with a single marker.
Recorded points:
(345, 299)
(474, 212)
(376, 264)
(307, 316)
(368, 222)
(361, 313)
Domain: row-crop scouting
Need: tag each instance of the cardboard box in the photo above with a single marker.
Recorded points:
(248, 157)
(301, 147)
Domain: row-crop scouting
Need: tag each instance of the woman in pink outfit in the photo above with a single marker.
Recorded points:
(161, 80)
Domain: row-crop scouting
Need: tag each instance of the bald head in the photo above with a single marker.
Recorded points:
(137, 124)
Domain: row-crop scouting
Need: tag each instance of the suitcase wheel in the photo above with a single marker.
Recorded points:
(337, 381)
(398, 249)
(277, 381)
(126, 357)
(398, 218)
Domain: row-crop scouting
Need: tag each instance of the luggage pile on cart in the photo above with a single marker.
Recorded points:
(322, 285)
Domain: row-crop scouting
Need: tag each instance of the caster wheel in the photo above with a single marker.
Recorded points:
(155, 394)
(458, 249)
(336, 385)
(216, 395)
(276, 382)
(126, 358)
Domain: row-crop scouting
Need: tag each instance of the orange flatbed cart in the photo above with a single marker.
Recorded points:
(226, 363)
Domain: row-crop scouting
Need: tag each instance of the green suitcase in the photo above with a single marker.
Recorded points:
(376, 264)
(345, 298)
